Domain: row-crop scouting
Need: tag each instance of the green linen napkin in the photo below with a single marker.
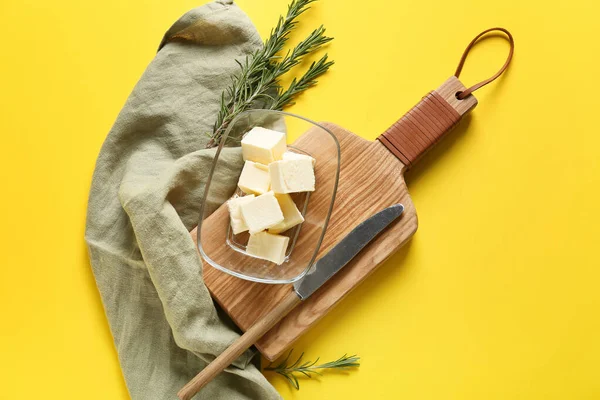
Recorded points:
(145, 196)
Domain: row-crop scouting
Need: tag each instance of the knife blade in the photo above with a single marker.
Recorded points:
(343, 252)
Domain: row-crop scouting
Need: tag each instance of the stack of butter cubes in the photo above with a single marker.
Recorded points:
(269, 175)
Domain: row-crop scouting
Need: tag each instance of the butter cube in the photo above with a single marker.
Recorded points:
(263, 145)
(268, 247)
(238, 224)
(288, 155)
(291, 214)
(254, 178)
(262, 212)
(292, 176)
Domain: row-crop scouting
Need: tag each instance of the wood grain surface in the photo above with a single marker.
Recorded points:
(371, 178)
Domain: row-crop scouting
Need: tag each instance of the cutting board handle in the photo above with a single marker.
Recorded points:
(440, 110)
(427, 122)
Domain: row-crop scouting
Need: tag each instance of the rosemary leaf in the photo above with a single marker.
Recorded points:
(307, 368)
(307, 81)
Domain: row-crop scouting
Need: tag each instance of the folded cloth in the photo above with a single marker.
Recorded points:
(145, 197)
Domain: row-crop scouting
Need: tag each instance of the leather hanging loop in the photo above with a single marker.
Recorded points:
(467, 92)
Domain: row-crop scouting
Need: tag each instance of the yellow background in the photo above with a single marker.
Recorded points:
(497, 295)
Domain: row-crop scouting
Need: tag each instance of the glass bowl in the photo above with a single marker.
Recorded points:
(223, 250)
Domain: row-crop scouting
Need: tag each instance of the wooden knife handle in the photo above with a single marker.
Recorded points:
(427, 122)
(236, 349)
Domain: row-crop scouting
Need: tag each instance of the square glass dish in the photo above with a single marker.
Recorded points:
(226, 251)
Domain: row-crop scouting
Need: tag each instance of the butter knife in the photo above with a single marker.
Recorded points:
(326, 267)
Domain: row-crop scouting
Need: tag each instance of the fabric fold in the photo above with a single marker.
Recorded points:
(145, 197)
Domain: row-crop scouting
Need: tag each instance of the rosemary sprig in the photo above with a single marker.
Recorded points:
(257, 84)
(308, 80)
(307, 368)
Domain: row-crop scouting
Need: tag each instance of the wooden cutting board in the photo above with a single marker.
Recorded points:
(371, 179)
